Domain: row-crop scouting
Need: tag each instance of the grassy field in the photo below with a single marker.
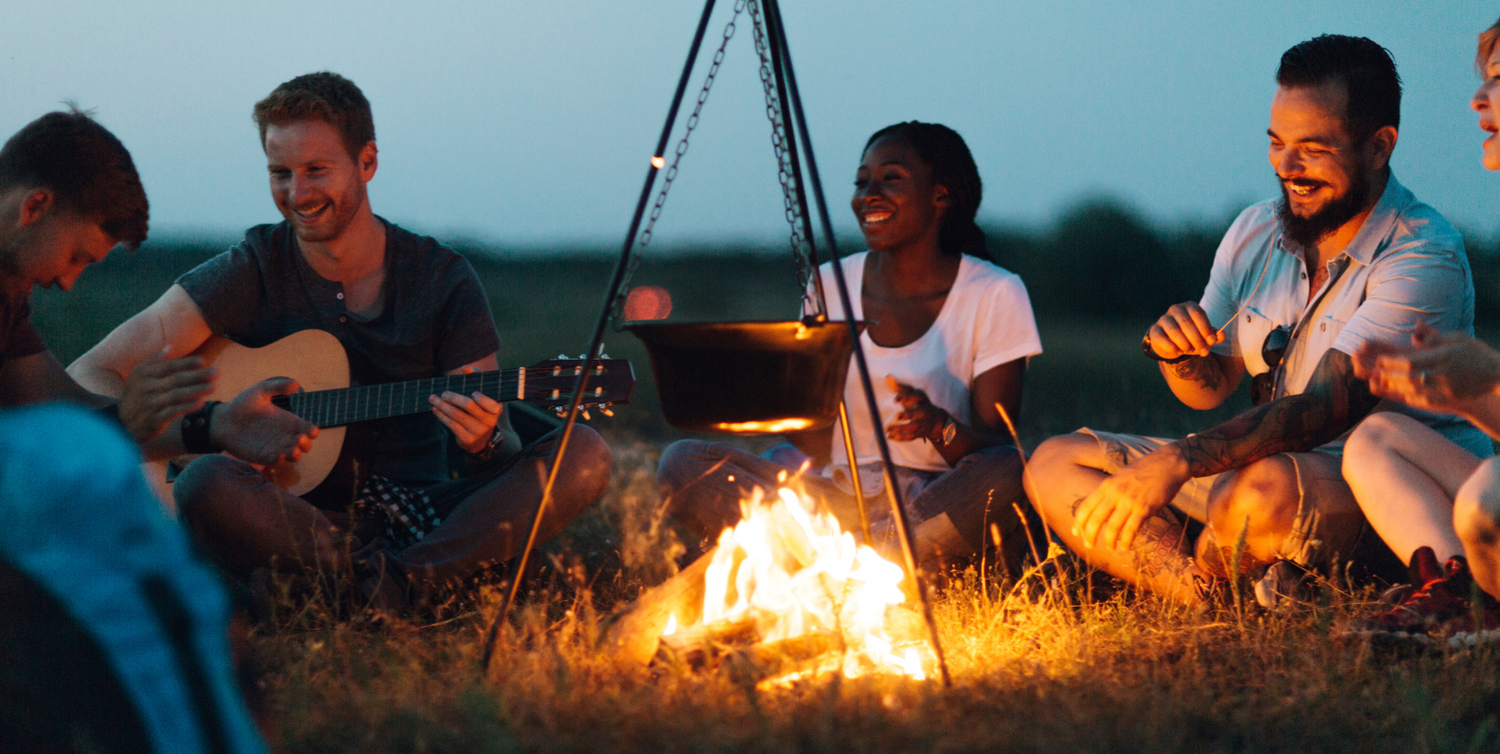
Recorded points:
(1048, 666)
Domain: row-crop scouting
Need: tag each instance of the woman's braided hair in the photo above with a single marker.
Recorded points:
(953, 167)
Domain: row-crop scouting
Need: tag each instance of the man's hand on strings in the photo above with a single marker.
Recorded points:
(919, 419)
(1437, 372)
(1184, 329)
(252, 428)
(470, 418)
(1112, 514)
(162, 389)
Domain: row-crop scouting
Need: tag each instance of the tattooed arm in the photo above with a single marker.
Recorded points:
(1203, 382)
(1335, 400)
(1206, 379)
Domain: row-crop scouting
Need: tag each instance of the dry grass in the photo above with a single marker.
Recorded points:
(1032, 671)
(1037, 668)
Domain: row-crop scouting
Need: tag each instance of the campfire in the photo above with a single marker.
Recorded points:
(788, 590)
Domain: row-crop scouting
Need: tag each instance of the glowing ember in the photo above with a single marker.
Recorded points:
(773, 426)
(792, 573)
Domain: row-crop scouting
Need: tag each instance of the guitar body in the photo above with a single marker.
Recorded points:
(316, 360)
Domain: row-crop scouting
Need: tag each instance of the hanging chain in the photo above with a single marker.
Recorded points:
(617, 308)
(779, 142)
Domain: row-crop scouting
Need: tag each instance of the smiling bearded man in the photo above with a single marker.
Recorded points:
(1347, 256)
(404, 308)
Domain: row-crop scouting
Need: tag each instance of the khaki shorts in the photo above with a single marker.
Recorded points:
(1320, 485)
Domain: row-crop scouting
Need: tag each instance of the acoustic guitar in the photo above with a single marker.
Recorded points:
(316, 360)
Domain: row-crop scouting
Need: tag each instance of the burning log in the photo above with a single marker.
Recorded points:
(635, 633)
(786, 587)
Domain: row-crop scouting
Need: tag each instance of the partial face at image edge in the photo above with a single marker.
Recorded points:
(1486, 102)
(48, 245)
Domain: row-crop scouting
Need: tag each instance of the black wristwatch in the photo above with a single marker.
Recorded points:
(1146, 346)
(490, 448)
(195, 430)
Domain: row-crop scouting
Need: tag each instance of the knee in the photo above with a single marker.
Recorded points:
(1055, 456)
(682, 462)
(587, 465)
(208, 481)
(1263, 496)
(1001, 467)
(1373, 440)
(1476, 509)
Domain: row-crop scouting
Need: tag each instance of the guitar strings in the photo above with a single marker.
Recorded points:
(339, 406)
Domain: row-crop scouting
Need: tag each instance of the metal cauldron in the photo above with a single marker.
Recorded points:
(748, 377)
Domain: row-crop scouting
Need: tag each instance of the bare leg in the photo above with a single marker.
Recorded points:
(1476, 514)
(1405, 477)
(1061, 473)
(1312, 521)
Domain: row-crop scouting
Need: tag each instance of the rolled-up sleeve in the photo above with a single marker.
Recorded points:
(1221, 299)
(1421, 281)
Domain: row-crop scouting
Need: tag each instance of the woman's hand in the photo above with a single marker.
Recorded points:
(919, 419)
(1447, 373)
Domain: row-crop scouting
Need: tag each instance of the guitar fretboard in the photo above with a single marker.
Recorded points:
(333, 408)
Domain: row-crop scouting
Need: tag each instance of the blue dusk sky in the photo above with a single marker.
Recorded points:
(529, 125)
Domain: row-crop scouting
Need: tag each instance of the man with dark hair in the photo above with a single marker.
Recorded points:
(1345, 257)
(405, 308)
(69, 193)
(112, 633)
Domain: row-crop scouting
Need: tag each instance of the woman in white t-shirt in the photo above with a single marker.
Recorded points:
(948, 338)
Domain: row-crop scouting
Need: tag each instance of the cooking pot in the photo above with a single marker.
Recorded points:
(748, 377)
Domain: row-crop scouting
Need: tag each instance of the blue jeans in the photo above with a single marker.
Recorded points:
(704, 482)
(85, 540)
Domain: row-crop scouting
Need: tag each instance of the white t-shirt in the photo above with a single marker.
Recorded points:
(986, 321)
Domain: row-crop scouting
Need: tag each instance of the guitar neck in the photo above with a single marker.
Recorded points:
(334, 408)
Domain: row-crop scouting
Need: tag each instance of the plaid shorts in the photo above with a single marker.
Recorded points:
(406, 513)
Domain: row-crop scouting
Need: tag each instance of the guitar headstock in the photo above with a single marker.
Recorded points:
(549, 384)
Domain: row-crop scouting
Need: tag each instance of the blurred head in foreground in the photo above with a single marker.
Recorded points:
(319, 138)
(68, 193)
(1334, 122)
(915, 181)
(1486, 101)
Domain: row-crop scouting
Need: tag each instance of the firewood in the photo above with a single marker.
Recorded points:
(695, 645)
(634, 633)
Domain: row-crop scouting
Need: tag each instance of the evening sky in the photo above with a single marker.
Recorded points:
(531, 124)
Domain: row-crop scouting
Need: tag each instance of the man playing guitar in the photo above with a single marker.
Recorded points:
(404, 308)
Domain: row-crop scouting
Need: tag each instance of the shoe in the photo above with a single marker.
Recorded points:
(1281, 586)
(1441, 595)
(1463, 632)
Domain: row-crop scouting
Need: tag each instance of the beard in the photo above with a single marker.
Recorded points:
(1306, 232)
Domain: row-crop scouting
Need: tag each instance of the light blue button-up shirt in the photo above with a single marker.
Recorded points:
(1406, 266)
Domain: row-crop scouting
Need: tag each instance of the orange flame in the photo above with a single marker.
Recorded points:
(794, 572)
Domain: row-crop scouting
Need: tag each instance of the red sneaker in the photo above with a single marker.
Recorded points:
(1442, 595)
(1479, 624)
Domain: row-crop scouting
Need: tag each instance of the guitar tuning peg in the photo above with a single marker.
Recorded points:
(604, 409)
(562, 357)
(603, 355)
(585, 412)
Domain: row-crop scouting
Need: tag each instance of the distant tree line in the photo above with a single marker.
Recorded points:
(1102, 258)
